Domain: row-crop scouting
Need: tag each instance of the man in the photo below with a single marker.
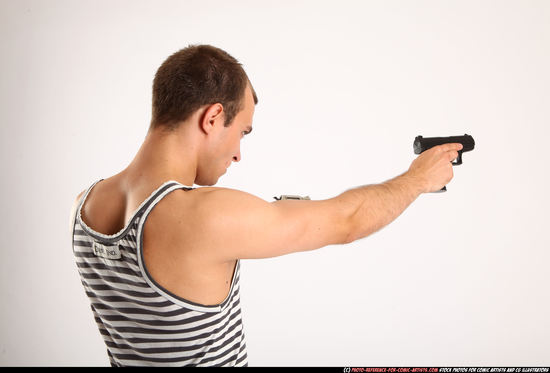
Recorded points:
(159, 260)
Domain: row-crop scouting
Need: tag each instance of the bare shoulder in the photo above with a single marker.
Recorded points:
(225, 197)
(206, 202)
(224, 206)
(209, 200)
(208, 207)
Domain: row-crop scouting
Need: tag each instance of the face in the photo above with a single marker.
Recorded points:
(225, 144)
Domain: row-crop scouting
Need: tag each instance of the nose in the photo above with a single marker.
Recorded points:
(237, 157)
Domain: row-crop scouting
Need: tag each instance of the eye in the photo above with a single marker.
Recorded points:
(244, 133)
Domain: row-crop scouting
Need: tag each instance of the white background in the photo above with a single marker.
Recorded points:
(344, 87)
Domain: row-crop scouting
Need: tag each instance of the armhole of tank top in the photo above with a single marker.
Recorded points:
(145, 273)
(182, 302)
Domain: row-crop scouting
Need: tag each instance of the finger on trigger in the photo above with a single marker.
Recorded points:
(454, 155)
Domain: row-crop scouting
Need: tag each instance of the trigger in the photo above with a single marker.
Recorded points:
(458, 159)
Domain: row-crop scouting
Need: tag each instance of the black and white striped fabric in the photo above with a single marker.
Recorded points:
(142, 323)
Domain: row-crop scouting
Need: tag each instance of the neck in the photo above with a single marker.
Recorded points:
(164, 157)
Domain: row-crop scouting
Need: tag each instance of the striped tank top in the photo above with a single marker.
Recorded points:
(141, 322)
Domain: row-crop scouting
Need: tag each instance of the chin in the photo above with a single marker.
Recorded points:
(209, 181)
(206, 183)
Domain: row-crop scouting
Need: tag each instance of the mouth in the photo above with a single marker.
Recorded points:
(226, 167)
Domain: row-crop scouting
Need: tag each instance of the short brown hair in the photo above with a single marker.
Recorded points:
(195, 76)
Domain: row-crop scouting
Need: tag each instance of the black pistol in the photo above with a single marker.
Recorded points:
(424, 143)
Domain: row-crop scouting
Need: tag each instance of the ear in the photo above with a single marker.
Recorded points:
(213, 116)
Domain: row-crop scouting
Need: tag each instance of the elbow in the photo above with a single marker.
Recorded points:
(356, 228)
(355, 234)
(349, 219)
(349, 238)
(346, 218)
(350, 231)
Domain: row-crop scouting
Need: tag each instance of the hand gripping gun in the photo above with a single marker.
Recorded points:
(424, 143)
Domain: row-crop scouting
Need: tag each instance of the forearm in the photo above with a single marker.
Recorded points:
(369, 208)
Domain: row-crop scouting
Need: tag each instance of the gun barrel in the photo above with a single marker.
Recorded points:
(424, 143)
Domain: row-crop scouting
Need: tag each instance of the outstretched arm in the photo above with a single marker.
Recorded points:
(238, 225)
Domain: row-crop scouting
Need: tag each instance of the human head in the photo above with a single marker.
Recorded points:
(218, 146)
(195, 76)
